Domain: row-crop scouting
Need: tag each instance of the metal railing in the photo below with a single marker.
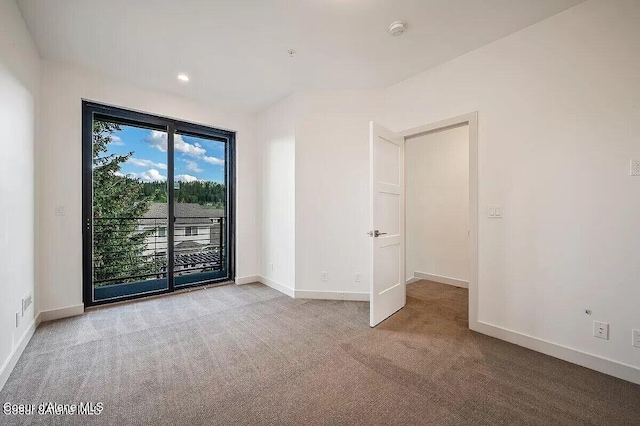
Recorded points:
(127, 250)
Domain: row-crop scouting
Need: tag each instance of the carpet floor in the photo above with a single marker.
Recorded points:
(250, 355)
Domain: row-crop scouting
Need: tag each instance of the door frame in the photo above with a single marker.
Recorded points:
(471, 120)
(171, 125)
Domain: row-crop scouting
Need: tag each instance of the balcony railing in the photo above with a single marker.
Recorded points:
(127, 250)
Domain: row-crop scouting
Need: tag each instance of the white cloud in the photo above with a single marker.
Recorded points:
(185, 178)
(213, 160)
(193, 166)
(192, 150)
(158, 140)
(151, 175)
(141, 162)
(116, 140)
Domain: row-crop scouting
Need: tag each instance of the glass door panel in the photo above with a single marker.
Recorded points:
(129, 210)
(142, 235)
(200, 209)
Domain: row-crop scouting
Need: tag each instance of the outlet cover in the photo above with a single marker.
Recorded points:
(635, 167)
(324, 276)
(27, 300)
(601, 330)
(358, 277)
(636, 338)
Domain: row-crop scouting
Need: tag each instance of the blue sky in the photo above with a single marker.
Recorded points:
(195, 158)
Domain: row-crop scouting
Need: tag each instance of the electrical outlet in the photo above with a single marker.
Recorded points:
(27, 300)
(60, 210)
(325, 276)
(636, 338)
(601, 330)
(635, 167)
(358, 277)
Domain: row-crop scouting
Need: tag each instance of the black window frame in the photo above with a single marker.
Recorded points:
(91, 110)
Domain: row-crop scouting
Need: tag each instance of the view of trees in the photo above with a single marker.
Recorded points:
(117, 245)
(120, 201)
(211, 194)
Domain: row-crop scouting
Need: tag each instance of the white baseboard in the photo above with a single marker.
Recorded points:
(54, 314)
(247, 280)
(277, 286)
(332, 295)
(11, 362)
(442, 280)
(314, 294)
(575, 356)
(412, 280)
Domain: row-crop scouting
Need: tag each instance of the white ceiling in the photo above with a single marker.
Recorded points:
(235, 51)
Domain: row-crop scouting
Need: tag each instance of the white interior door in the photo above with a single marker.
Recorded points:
(387, 286)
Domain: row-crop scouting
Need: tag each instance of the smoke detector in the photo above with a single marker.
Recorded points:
(397, 28)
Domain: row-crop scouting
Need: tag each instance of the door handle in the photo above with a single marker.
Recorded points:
(376, 233)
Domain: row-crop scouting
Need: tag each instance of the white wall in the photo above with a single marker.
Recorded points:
(19, 87)
(559, 120)
(60, 165)
(437, 204)
(332, 192)
(277, 137)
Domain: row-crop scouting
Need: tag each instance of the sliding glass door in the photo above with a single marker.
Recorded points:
(200, 209)
(129, 254)
(141, 235)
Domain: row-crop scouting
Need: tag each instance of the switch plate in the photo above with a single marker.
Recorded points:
(495, 212)
(636, 338)
(325, 276)
(635, 167)
(601, 330)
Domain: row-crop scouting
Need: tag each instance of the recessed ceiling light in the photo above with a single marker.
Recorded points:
(183, 77)
(397, 28)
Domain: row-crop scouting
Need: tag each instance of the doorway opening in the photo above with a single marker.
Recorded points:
(437, 216)
(389, 267)
(158, 211)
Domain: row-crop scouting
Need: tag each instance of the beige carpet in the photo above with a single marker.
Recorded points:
(250, 355)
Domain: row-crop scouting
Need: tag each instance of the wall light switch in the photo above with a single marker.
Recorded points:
(495, 212)
(601, 330)
(635, 167)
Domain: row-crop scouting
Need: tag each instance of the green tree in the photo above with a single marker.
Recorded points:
(118, 202)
